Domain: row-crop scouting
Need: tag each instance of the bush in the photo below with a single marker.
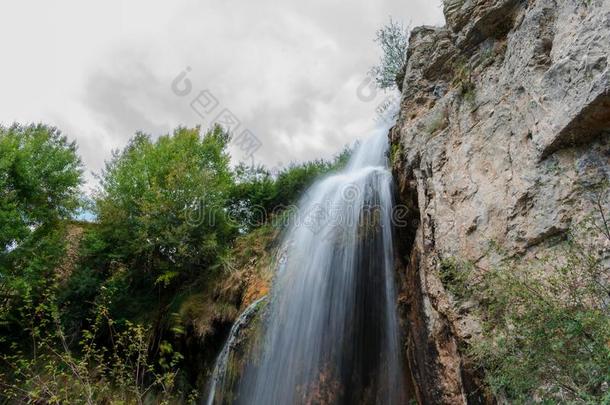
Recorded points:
(51, 371)
(546, 322)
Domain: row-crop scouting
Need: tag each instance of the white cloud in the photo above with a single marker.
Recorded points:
(289, 70)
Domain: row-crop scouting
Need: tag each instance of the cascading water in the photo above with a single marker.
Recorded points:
(220, 367)
(331, 332)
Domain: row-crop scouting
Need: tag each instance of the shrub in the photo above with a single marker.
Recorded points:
(546, 322)
(53, 371)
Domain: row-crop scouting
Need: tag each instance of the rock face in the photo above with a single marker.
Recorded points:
(504, 124)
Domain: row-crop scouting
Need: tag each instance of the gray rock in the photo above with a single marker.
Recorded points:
(505, 152)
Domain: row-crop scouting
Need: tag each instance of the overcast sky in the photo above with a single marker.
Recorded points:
(288, 70)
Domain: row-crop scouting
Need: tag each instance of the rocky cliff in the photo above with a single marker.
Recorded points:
(504, 124)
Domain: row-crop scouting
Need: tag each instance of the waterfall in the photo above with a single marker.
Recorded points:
(331, 332)
(220, 367)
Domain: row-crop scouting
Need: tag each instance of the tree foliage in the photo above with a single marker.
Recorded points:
(393, 39)
(161, 203)
(40, 175)
(258, 195)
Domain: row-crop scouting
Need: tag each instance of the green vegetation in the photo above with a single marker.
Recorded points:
(161, 204)
(395, 153)
(131, 308)
(40, 175)
(394, 42)
(463, 81)
(39, 179)
(258, 195)
(546, 321)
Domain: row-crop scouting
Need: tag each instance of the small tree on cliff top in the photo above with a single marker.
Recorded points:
(394, 40)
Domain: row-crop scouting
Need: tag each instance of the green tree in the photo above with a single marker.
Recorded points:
(394, 41)
(161, 203)
(258, 195)
(40, 175)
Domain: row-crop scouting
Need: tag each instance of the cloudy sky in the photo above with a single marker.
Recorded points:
(288, 71)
